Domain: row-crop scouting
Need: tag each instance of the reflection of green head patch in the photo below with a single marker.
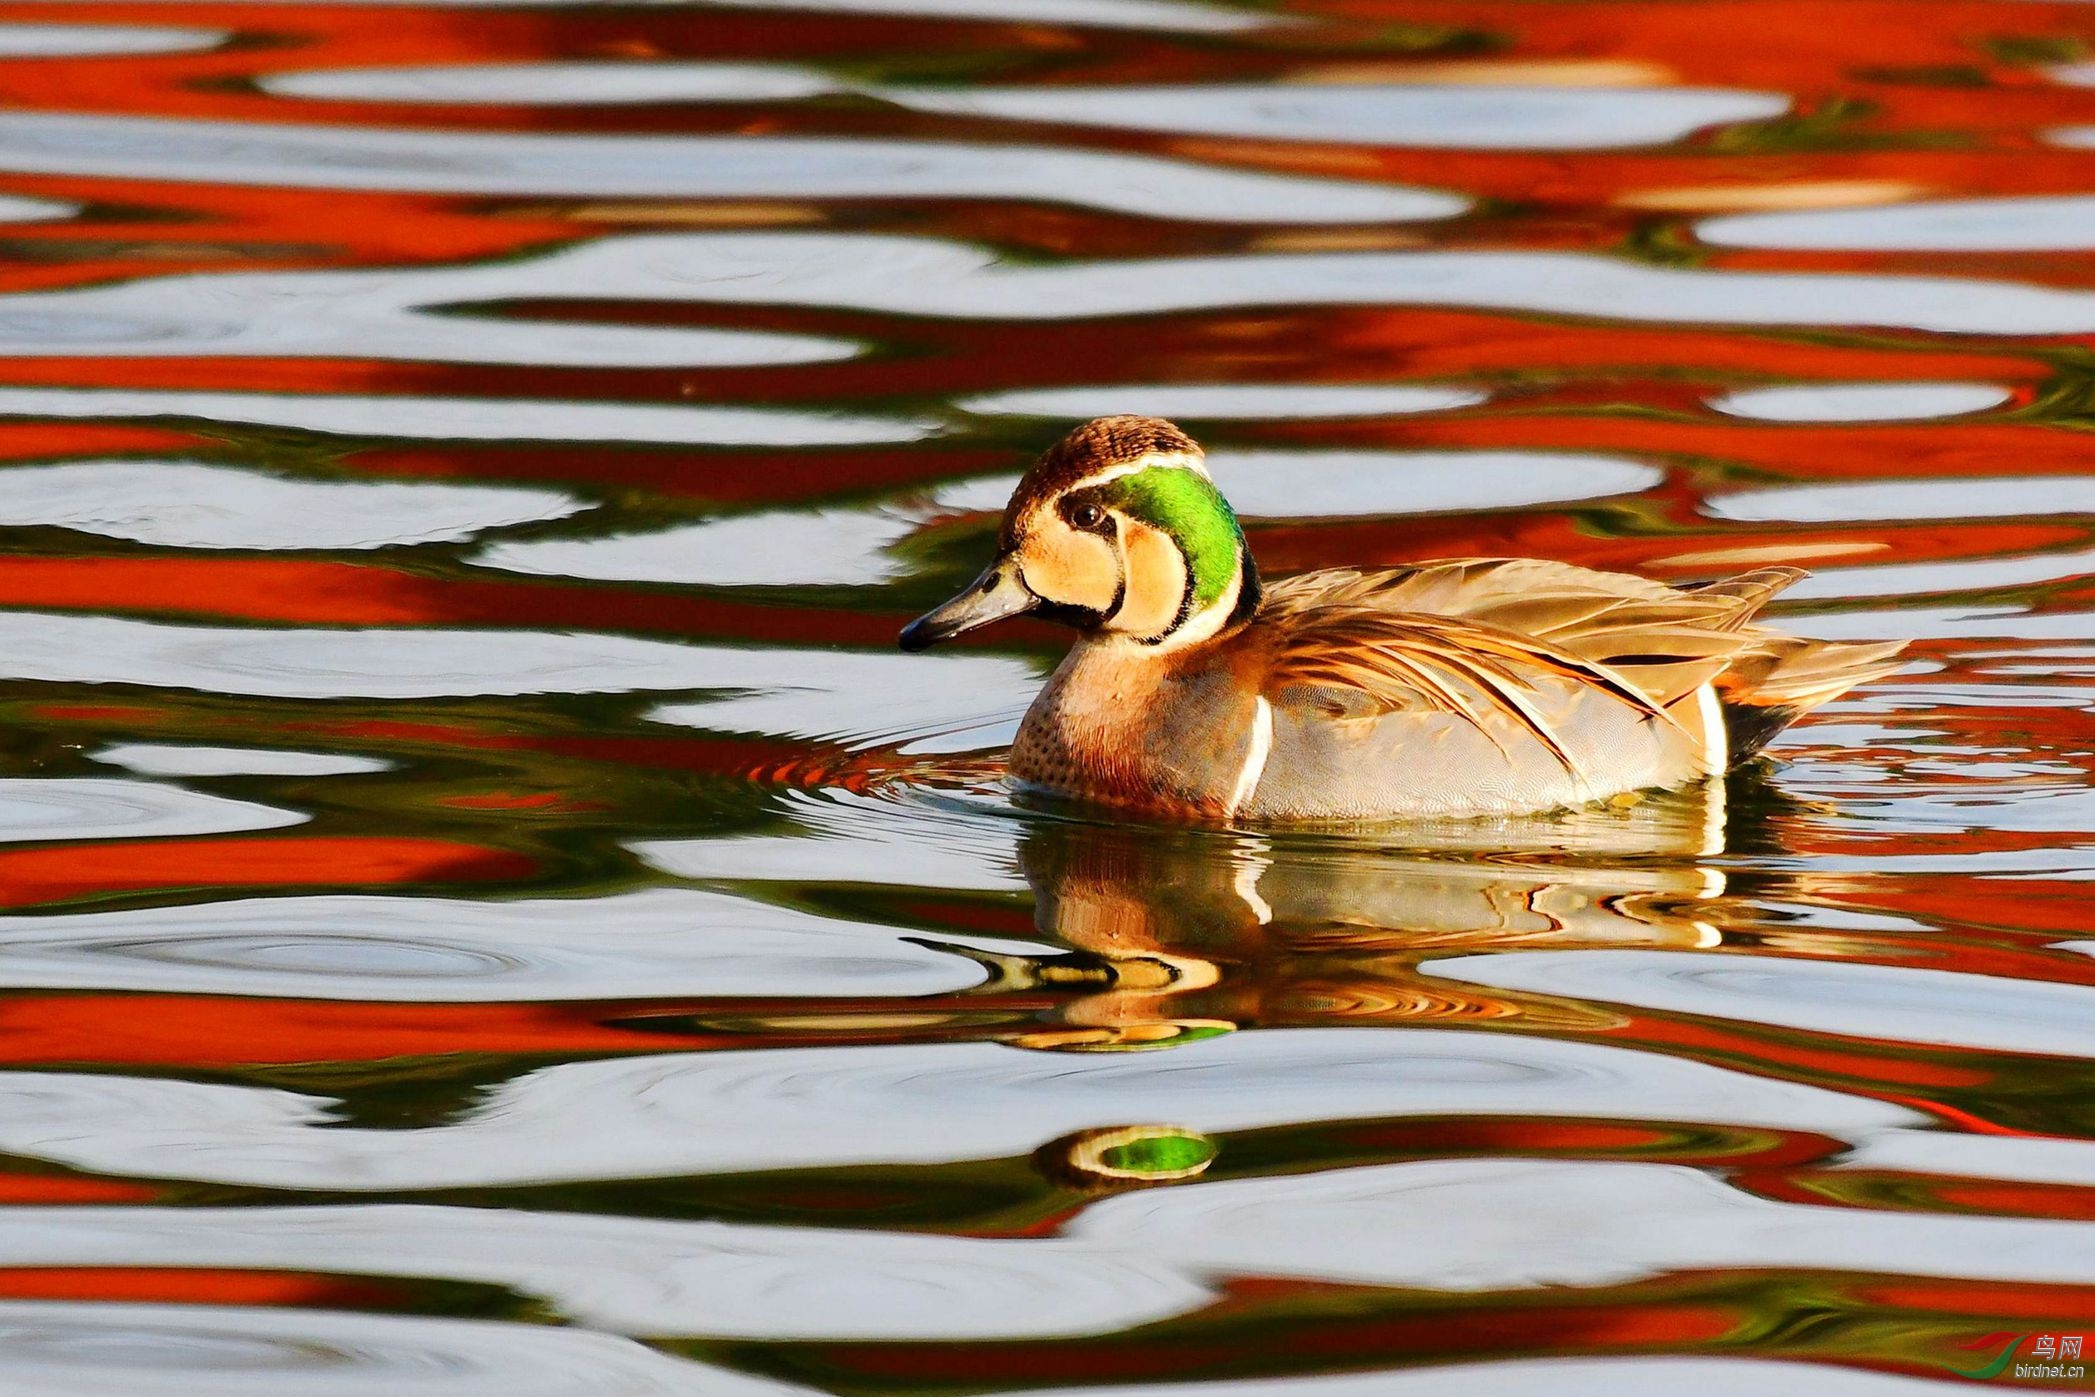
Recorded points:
(1186, 505)
(1160, 1154)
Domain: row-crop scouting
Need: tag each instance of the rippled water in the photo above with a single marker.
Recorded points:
(485, 911)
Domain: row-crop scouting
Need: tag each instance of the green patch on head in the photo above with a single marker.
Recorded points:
(1186, 505)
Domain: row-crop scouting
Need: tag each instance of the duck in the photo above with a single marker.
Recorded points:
(1198, 692)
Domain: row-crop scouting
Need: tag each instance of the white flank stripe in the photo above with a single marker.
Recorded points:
(1715, 741)
(1255, 759)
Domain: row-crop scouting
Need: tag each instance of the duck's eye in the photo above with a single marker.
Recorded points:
(1087, 516)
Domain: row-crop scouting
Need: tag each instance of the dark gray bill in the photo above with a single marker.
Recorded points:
(996, 594)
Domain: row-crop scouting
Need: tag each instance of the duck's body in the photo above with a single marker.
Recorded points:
(1459, 688)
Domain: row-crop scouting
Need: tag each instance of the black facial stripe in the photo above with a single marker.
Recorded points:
(1185, 610)
(1078, 618)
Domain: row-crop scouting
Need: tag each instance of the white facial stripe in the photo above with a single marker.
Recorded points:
(1149, 460)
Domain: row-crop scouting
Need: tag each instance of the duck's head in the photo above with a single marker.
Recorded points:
(1117, 531)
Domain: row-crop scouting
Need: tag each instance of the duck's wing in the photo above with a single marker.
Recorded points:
(1642, 641)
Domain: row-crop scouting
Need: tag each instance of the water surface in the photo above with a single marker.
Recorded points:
(485, 911)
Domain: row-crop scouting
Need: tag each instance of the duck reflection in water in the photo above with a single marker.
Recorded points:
(1180, 934)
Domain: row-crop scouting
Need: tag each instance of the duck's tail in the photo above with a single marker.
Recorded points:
(1777, 679)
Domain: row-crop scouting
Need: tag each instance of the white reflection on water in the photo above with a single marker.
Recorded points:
(772, 548)
(1465, 118)
(1489, 1224)
(853, 839)
(926, 276)
(845, 547)
(183, 504)
(1224, 401)
(61, 1349)
(107, 807)
(1559, 1377)
(1460, 1225)
(437, 161)
(730, 1111)
(654, 1277)
(473, 419)
(1890, 1002)
(1973, 575)
(1184, 16)
(1411, 114)
(1971, 497)
(1181, 16)
(645, 944)
(1327, 484)
(101, 40)
(558, 84)
(1913, 623)
(19, 208)
(2044, 223)
(1860, 402)
(811, 692)
(368, 314)
(2032, 1158)
(170, 759)
(388, 314)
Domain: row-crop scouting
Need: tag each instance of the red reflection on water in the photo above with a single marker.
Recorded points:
(32, 876)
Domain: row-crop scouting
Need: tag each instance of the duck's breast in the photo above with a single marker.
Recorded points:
(1138, 731)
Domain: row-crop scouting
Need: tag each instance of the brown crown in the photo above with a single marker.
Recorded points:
(1101, 442)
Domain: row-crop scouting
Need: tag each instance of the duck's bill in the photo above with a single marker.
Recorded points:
(996, 594)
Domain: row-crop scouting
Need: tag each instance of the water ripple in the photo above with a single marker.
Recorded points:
(923, 276)
(814, 692)
(558, 84)
(183, 504)
(772, 548)
(1224, 402)
(1892, 1002)
(365, 315)
(363, 312)
(1467, 118)
(102, 40)
(1861, 402)
(649, 1277)
(1324, 484)
(732, 1111)
(473, 419)
(1513, 1223)
(54, 1349)
(2052, 224)
(17, 208)
(645, 944)
(844, 547)
(1983, 497)
(91, 807)
(280, 154)
(1560, 1377)
(170, 759)
(1168, 16)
